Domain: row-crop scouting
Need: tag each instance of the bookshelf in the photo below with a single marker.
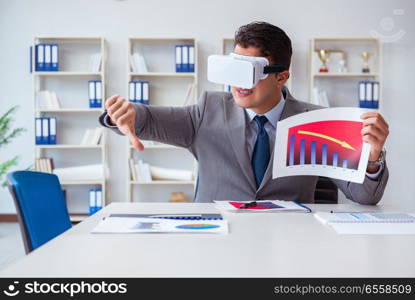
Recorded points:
(227, 48)
(342, 87)
(166, 88)
(73, 116)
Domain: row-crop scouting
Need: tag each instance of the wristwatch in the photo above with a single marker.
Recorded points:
(380, 161)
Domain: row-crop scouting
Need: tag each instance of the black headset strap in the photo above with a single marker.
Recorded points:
(274, 69)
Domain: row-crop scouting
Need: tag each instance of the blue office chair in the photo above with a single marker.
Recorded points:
(40, 205)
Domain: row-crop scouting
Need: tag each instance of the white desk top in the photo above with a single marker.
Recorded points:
(258, 245)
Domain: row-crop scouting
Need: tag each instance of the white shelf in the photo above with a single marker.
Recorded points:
(164, 74)
(82, 182)
(346, 39)
(158, 147)
(71, 110)
(70, 146)
(71, 85)
(345, 74)
(71, 38)
(163, 182)
(67, 73)
(159, 53)
(344, 92)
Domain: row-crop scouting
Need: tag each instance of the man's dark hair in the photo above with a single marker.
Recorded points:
(271, 40)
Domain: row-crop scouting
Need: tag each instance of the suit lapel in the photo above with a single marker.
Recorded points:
(290, 109)
(236, 128)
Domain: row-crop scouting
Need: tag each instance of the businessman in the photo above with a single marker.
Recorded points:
(232, 135)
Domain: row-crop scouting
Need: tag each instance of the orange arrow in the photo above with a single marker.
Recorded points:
(344, 144)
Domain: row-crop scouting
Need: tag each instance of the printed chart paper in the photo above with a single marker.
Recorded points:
(325, 142)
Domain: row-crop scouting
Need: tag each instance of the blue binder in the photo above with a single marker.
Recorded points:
(191, 58)
(131, 91)
(52, 130)
(145, 86)
(48, 57)
(179, 58)
(185, 58)
(98, 93)
(92, 94)
(55, 57)
(92, 201)
(362, 93)
(98, 199)
(30, 59)
(40, 57)
(38, 131)
(375, 94)
(138, 96)
(369, 94)
(45, 131)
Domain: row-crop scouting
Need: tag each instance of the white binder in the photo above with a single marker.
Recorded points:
(54, 57)
(92, 95)
(48, 57)
(38, 129)
(98, 93)
(45, 130)
(52, 130)
(138, 95)
(40, 57)
(98, 199)
(145, 99)
(132, 91)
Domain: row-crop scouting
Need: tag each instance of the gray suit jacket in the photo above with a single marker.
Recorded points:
(214, 132)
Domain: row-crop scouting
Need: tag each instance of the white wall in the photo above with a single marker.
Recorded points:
(209, 21)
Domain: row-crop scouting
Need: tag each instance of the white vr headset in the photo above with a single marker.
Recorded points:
(240, 70)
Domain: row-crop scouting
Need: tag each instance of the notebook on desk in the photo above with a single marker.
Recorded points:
(377, 223)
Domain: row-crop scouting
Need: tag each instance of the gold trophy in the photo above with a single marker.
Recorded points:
(323, 55)
(365, 56)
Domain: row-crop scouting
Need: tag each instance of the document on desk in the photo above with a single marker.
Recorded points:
(261, 206)
(133, 224)
(369, 223)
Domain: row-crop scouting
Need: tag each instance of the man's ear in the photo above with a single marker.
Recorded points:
(282, 78)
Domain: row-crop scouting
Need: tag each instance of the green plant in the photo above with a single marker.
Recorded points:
(7, 134)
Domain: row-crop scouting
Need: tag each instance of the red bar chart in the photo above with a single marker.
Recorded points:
(326, 143)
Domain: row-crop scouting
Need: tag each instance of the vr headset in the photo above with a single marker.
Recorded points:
(240, 70)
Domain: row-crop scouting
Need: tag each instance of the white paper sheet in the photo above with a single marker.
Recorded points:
(158, 225)
(325, 142)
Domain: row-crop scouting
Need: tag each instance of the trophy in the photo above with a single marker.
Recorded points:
(323, 55)
(365, 56)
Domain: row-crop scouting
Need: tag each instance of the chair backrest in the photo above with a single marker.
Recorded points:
(40, 206)
(326, 191)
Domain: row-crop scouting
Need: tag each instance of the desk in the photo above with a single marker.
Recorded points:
(258, 245)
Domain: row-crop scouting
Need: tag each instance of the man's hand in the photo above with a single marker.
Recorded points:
(375, 131)
(123, 114)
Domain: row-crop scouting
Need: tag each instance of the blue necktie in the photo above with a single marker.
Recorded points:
(261, 154)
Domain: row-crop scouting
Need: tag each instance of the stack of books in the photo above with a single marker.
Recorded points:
(138, 63)
(92, 136)
(44, 164)
(145, 173)
(47, 100)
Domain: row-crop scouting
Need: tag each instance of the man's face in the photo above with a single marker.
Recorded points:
(261, 95)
